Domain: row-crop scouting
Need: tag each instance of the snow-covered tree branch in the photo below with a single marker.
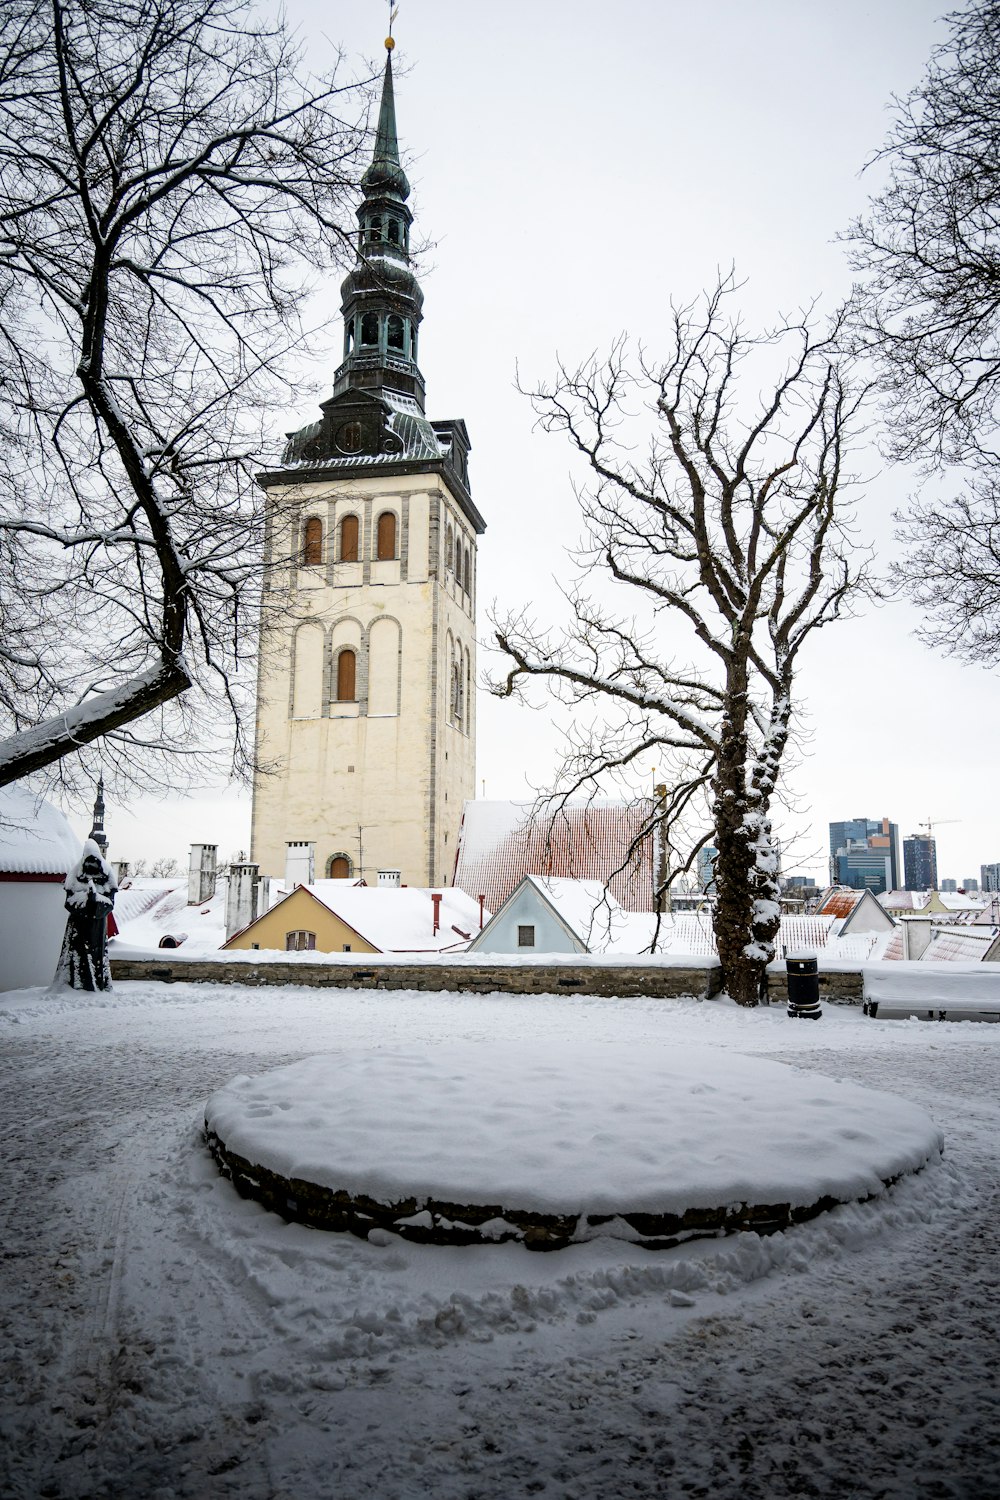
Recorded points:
(726, 534)
(172, 177)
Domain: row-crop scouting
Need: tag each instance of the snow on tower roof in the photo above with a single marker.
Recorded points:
(35, 837)
(502, 842)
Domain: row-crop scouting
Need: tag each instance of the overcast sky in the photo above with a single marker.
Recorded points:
(577, 165)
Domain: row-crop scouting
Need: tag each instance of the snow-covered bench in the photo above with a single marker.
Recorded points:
(933, 992)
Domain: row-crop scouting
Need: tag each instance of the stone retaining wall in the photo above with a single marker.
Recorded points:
(477, 979)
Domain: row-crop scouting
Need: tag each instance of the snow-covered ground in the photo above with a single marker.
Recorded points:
(165, 1338)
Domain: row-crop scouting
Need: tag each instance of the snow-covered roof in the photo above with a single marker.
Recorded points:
(957, 945)
(905, 900)
(35, 837)
(401, 919)
(502, 842)
(962, 901)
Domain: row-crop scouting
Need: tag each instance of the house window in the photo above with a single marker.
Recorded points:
(346, 948)
(339, 867)
(312, 542)
(300, 942)
(347, 667)
(385, 546)
(525, 937)
(349, 539)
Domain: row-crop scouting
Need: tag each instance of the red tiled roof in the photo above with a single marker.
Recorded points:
(838, 904)
(501, 842)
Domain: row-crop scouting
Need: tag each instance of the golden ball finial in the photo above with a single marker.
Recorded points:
(389, 44)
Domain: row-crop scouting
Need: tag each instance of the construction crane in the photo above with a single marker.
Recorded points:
(931, 823)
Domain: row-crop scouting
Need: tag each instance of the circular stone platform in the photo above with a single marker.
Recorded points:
(463, 1143)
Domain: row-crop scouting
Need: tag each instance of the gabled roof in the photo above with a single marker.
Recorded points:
(35, 837)
(394, 919)
(502, 842)
(837, 901)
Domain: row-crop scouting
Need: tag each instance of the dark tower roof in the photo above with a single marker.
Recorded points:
(376, 412)
(386, 175)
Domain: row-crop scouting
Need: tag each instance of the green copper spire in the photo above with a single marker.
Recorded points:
(385, 175)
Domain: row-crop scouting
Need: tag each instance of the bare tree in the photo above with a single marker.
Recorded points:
(928, 312)
(728, 541)
(928, 306)
(171, 175)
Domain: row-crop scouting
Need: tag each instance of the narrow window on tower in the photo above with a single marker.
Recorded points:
(413, 341)
(347, 667)
(349, 539)
(312, 542)
(369, 328)
(467, 580)
(375, 229)
(385, 537)
(458, 559)
(449, 550)
(348, 335)
(393, 231)
(396, 331)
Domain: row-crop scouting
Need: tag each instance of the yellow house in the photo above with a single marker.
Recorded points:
(332, 916)
(301, 922)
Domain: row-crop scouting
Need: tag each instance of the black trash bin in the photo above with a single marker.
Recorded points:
(803, 986)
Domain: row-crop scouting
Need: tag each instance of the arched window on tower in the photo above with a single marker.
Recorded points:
(396, 332)
(347, 667)
(369, 328)
(393, 231)
(449, 550)
(348, 335)
(339, 867)
(349, 539)
(312, 543)
(375, 227)
(413, 341)
(467, 578)
(458, 559)
(385, 536)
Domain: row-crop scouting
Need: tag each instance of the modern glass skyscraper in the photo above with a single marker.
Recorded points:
(920, 863)
(865, 854)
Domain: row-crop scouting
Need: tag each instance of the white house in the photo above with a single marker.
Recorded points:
(546, 914)
(37, 848)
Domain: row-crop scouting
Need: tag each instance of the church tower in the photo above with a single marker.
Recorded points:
(366, 734)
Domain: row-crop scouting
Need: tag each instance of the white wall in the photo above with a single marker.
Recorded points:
(32, 923)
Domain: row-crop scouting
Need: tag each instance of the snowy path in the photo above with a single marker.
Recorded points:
(165, 1339)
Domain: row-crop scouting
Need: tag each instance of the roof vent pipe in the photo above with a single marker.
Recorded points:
(436, 898)
(482, 903)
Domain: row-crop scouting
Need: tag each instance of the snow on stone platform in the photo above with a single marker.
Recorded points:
(569, 1129)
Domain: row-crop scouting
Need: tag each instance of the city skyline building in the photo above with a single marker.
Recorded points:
(865, 854)
(920, 863)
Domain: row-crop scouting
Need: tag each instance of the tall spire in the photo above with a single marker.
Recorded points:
(382, 301)
(385, 174)
(97, 833)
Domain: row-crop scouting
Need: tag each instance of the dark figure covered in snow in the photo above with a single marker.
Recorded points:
(90, 894)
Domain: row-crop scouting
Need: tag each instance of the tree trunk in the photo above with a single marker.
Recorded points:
(743, 960)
